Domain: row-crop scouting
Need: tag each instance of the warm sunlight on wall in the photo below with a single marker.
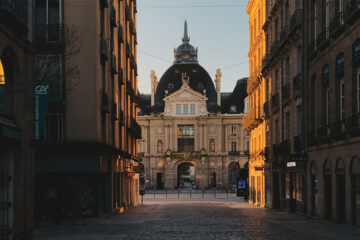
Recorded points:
(2, 74)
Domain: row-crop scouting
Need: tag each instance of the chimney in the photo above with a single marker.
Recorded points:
(218, 86)
(154, 84)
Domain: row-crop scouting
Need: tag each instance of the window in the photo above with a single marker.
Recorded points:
(53, 130)
(6, 93)
(326, 76)
(327, 17)
(178, 109)
(48, 18)
(185, 130)
(314, 102)
(342, 100)
(356, 52)
(315, 23)
(298, 121)
(233, 146)
(288, 125)
(48, 71)
(185, 135)
(192, 109)
(185, 109)
(233, 130)
(340, 65)
(233, 109)
(358, 91)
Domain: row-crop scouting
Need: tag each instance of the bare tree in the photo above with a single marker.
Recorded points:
(57, 68)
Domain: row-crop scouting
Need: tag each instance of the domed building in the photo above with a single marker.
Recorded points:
(192, 135)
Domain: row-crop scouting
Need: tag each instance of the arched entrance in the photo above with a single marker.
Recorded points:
(355, 190)
(340, 190)
(327, 190)
(186, 175)
(233, 176)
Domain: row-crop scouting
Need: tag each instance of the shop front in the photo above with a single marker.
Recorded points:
(294, 170)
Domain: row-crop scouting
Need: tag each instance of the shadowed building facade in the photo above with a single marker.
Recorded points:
(86, 155)
(192, 133)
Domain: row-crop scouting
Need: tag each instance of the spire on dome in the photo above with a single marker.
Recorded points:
(186, 38)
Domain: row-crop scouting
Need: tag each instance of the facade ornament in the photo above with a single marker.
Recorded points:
(185, 79)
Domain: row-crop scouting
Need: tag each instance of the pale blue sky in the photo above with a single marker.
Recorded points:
(218, 28)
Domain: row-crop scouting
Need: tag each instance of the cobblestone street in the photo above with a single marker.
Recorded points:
(208, 218)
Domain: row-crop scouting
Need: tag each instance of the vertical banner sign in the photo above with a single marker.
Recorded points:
(41, 108)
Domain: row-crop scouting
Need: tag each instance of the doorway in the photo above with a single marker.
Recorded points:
(327, 190)
(276, 192)
(186, 175)
(159, 181)
(340, 191)
(355, 190)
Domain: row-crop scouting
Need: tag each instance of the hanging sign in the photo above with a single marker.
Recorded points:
(41, 108)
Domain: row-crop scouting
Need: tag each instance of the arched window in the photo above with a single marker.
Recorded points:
(6, 93)
(340, 65)
(356, 52)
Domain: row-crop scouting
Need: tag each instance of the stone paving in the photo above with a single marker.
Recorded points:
(196, 218)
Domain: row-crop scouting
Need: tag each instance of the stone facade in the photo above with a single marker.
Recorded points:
(187, 123)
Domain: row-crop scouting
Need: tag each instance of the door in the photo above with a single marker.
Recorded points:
(276, 192)
(340, 198)
(355, 195)
(159, 181)
(328, 196)
(313, 194)
(292, 192)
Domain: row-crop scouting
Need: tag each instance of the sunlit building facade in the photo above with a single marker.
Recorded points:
(255, 120)
(86, 154)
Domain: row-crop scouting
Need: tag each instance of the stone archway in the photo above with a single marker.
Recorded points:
(233, 175)
(340, 190)
(355, 190)
(327, 189)
(186, 177)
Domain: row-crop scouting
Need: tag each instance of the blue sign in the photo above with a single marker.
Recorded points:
(41, 108)
(242, 184)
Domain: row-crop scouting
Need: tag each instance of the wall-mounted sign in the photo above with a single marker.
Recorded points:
(41, 108)
(291, 164)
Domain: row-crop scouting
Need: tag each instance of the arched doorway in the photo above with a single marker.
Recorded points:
(327, 190)
(314, 187)
(340, 190)
(6, 83)
(186, 175)
(355, 190)
(233, 175)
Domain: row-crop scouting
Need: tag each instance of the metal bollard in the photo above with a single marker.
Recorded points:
(178, 193)
(190, 193)
(227, 193)
(203, 193)
(154, 192)
(215, 193)
(166, 193)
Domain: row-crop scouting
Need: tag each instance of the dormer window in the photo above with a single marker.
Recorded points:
(233, 109)
(178, 109)
(186, 109)
(192, 109)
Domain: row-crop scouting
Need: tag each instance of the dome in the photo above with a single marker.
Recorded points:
(200, 80)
